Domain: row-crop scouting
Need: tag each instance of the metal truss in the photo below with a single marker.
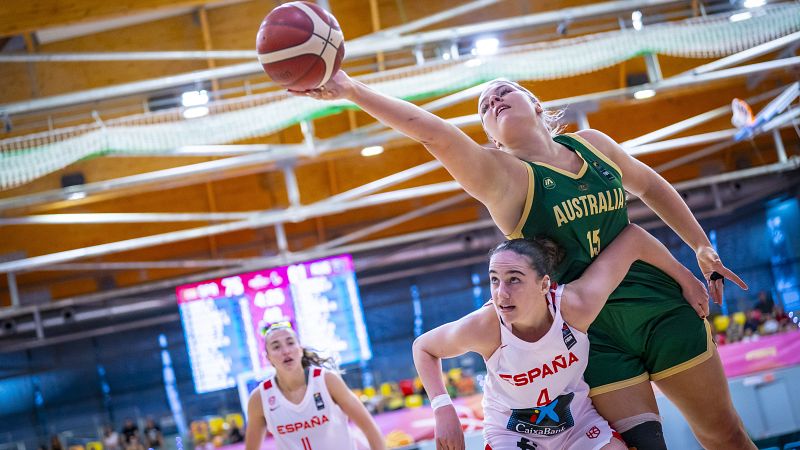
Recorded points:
(706, 197)
(369, 45)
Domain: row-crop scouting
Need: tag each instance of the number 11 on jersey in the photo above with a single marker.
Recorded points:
(593, 237)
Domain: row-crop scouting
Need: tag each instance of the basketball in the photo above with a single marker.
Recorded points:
(300, 45)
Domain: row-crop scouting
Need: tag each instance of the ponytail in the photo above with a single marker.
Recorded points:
(312, 358)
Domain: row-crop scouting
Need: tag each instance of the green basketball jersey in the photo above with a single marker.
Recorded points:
(583, 213)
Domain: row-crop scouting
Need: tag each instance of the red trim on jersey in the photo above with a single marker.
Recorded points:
(317, 372)
(267, 384)
(618, 436)
(553, 289)
(488, 447)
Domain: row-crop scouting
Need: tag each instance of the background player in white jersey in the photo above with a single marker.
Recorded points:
(304, 405)
(533, 338)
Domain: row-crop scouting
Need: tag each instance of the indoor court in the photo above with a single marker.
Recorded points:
(165, 204)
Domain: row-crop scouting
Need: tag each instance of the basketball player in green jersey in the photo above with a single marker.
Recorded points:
(571, 189)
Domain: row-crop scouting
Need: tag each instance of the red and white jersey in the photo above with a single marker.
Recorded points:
(316, 423)
(537, 388)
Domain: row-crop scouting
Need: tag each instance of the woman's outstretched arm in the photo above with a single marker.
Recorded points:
(355, 410)
(478, 332)
(467, 162)
(664, 200)
(586, 296)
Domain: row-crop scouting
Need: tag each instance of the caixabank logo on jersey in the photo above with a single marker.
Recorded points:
(548, 420)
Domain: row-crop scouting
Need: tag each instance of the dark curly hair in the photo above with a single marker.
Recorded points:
(543, 253)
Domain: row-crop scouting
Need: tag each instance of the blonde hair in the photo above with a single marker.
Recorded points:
(551, 118)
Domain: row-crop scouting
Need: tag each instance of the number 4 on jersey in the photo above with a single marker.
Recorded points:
(544, 398)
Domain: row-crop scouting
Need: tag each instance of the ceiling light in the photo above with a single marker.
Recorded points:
(486, 46)
(636, 18)
(76, 195)
(643, 94)
(194, 98)
(739, 17)
(195, 112)
(754, 3)
(372, 150)
(475, 62)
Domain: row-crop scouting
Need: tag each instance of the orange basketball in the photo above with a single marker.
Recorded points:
(300, 45)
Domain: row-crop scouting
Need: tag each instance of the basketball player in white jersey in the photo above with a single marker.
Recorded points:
(532, 336)
(304, 405)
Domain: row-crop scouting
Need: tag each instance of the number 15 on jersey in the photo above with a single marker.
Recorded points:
(593, 236)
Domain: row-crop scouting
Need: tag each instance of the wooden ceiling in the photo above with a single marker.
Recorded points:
(232, 25)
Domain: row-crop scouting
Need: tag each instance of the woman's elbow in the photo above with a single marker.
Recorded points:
(417, 345)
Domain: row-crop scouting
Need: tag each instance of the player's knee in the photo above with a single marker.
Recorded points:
(726, 434)
(642, 432)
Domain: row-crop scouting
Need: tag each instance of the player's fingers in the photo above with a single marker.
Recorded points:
(727, 273)
(714, 291)
(704, 308)
(452, 443)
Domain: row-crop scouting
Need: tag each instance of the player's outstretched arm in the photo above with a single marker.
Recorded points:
(256, 423)
(478, 332)
(664, 200)
(355, 410)
(587, 295)
(466, 161)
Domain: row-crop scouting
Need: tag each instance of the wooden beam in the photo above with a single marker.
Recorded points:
(20, 16)
(207, 44)
(376, 26)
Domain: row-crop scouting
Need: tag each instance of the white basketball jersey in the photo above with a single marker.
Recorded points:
(316, 423)
(537, 388)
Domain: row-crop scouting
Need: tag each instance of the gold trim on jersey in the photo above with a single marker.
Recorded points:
(619, 385)
(701, 358)
(596, 152)
(517, 233)
(567, 173)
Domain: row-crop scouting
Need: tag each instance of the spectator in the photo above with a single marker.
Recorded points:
(111, 440)
(770, 326)
(736, 329)
(764, 303)
(152, 435)
(234, 433)
(783, 319)
(129, 430)
(203, 444)
(754, 321)
(134, 443)
(55, 443)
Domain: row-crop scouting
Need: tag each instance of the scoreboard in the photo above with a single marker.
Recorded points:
(223, 318)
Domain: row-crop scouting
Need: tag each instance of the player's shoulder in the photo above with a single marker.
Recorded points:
(597, 138)
(484, 319)
(485, 315)
(332, 377)
(255, 395)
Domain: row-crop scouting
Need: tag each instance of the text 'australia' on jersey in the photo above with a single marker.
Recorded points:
(583, 212)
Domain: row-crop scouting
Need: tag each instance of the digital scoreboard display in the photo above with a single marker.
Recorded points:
(223, 318)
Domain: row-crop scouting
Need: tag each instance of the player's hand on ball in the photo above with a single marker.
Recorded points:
(715, 273)
(695, 293)
(340, 86)
(447, 431)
